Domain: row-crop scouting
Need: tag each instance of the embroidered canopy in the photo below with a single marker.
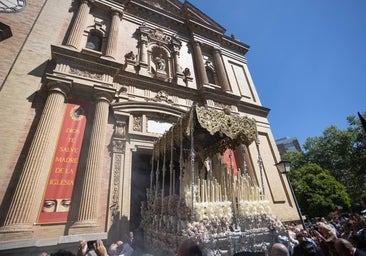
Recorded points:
(211, 131)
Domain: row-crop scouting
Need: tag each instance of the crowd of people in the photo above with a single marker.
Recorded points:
(97, 248)
(119, 248)
(344, 235)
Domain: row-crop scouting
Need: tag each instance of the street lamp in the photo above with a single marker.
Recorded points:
(284, 168)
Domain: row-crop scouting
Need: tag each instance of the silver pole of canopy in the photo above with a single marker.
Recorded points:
(192, 156)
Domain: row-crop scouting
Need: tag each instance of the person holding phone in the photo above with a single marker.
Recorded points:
(96, 246)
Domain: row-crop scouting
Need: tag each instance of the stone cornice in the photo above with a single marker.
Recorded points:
(225, 98)
(191, 11)
(65, 55)
(234, 44)
(127, 78)
(218, 40)
(113, 5)
(131, 106)
(245, 107)
(232, 99)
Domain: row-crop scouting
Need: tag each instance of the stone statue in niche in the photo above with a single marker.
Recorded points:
(160, 63)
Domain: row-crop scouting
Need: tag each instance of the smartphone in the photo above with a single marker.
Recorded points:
(91, 244)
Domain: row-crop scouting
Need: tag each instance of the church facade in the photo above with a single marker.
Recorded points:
(87, 88)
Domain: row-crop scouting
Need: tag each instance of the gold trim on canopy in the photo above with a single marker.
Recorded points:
(214, 131)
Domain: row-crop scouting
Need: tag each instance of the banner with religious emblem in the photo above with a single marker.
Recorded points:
(58, 192)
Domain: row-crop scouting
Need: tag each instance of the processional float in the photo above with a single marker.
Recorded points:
(197, 191)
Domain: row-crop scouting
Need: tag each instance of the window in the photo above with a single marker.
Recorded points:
(94, 41)
(210, 76)
(210, 69)
(158, 126)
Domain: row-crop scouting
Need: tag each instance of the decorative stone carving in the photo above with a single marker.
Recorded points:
(120, 130)
(137, 123)
(158, 35)
(187, 72)
(162, 96)
(121, 94)
(115, 185)
(164, 53)
(119, 146)
(209, 64)
(221, 105)
(130, 62)
(187, 76)
(130, 56)
(85, 73)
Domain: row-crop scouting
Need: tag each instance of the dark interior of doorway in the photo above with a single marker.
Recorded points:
(140, 181)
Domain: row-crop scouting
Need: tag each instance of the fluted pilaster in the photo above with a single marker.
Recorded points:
(113, 35)
(88, 210)
(27, 197)
(220, 70)
(79, 25)
(200, 65)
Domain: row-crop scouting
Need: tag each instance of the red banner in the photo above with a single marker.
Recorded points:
(57, 197)
(230, 161)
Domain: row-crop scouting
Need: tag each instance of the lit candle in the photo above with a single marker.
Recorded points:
(199, 199)
(220, 195)
(204, 190)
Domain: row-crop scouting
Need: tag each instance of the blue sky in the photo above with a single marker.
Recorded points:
(307, 58)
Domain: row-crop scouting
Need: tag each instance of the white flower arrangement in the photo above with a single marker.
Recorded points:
(253, 208)
(213, 210)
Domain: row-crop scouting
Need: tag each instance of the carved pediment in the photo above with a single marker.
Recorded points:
(183, 11)
(173, 6)
(202, 19)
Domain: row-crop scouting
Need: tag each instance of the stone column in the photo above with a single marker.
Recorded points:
(200, 65)
(27, 197)
(176, 63)
(143, 50)
(220, 69)
(176, 45)
(113, 34)
(79, 25)
(90, 193)
(143, 33)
